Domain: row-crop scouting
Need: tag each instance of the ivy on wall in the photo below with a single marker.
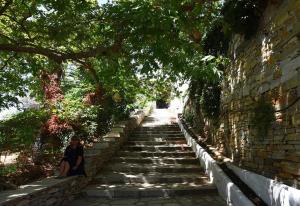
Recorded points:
(237, 17)
(243, 16)
(211, 100)
(262, 118)
(216, 42)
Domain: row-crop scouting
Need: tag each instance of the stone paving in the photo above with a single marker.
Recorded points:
(199, 200)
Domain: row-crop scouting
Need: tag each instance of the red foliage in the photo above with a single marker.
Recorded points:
(52, 130)
(90, 98)
(51, 87)
(94, 98)
(55, 126)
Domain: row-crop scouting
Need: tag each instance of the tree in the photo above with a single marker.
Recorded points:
(112, 46)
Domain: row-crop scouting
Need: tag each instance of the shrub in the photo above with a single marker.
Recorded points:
(21, 130)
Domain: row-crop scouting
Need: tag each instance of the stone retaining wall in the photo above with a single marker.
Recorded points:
(267, 65)
(51, 191)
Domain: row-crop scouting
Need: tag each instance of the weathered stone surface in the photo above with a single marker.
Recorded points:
(291, 168)
(266, 65)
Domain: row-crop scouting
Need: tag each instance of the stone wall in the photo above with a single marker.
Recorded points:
(267, 65)
(51, 191)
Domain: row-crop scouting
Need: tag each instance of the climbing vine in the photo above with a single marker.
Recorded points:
(243, 16)
(210, 100)
(263, 114)
(216, 42)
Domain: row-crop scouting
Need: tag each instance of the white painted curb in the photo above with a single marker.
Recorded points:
(226, 188)
(272, 192)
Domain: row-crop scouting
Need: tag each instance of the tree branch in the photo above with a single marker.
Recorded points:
(97, 51)
(63, 56)
(52, 54)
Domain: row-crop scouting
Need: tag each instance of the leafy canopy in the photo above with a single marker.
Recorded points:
(116, 44)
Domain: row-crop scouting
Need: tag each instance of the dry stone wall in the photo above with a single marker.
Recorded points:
(267, 65)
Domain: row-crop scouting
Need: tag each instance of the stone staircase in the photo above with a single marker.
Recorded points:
(155, 162)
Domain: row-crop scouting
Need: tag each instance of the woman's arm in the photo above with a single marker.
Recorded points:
(79, 158)
(66, 153)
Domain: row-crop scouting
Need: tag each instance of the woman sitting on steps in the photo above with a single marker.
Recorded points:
(73, 161)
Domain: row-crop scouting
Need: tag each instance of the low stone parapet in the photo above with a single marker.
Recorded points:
(51, 191)
(271, 191)
(226, 188)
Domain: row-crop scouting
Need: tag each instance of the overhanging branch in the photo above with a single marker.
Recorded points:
(63, 56)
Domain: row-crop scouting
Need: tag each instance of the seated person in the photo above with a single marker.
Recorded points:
(72, 162)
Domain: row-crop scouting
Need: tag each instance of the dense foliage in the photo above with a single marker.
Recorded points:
(19, 132)
(89, 65)
(243, 16)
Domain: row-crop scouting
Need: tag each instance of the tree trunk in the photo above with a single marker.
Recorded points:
(98, 96)
(54, 126)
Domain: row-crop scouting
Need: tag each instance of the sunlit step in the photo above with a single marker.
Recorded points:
(157, 148)
(156, 143)
(148, 190)
(146, 168)
(147, 160)
(151, 178)
(158, 139)
(156, 154)
(156, 135)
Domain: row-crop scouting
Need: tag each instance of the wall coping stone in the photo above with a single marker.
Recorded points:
(272, 192)
(32, 188)
(226, 188)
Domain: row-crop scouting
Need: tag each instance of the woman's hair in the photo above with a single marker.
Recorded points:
(75, 138)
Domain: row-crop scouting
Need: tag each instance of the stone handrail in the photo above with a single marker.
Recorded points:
(51, 191)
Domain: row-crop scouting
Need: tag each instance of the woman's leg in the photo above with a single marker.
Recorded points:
(61, 167)
(64, 168)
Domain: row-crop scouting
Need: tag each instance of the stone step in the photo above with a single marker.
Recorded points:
(156, 135)
(160, 160)
(157, 148)
(153, 139)
(93, 151)
(148, 190)
(158, 126)
(156, 154)
(142, 129)
(156, 143)
(148, 168)
(157, 132)
(151, 178)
